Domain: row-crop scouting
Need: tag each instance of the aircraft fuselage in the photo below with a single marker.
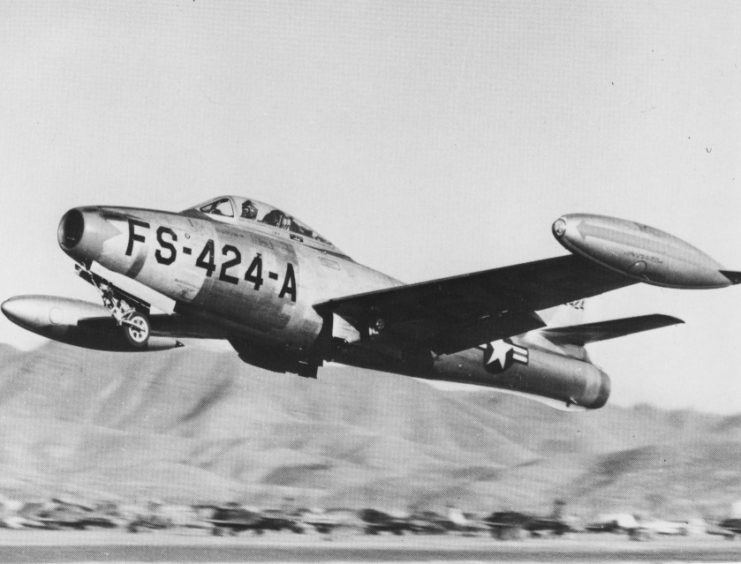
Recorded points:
(288, 300)
(261, 284)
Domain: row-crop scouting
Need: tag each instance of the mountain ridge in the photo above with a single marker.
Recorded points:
(201, 426)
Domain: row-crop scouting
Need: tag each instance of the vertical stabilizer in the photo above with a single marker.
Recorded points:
(571, 313)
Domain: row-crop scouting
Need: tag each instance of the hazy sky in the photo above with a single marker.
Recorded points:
(423, 138)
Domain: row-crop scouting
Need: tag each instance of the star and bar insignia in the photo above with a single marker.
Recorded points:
(500, 355)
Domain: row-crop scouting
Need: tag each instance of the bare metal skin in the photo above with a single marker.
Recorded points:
(288, 300)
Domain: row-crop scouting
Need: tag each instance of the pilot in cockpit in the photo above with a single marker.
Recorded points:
(278, 219)
(249, 211)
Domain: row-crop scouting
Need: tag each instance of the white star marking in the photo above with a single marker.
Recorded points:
(499, 350)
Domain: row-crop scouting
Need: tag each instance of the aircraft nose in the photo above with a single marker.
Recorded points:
(82, 233)
(71, 229)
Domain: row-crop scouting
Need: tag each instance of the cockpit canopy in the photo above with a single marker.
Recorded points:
(249, 212)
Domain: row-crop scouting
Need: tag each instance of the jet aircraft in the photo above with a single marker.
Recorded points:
(288, 300)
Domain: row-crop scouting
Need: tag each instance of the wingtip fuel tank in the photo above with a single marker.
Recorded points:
(69, 321)
(640, 252)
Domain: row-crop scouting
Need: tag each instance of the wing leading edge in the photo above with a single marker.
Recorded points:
(452, 314)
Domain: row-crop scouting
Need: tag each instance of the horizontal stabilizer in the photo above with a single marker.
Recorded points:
(602, 330)
(733, 275)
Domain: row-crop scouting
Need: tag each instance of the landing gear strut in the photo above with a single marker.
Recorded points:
(130, 312)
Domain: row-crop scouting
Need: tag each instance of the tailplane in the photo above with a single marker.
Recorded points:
(580, 335)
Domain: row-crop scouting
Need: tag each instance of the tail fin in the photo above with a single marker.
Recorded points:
(571, 313)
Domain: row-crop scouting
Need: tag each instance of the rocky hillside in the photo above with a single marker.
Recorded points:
(196, 425)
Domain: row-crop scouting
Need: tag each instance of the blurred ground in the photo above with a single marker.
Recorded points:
(187, 546)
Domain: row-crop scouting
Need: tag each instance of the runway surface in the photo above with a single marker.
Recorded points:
(197, 546)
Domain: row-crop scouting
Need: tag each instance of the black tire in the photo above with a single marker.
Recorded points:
(136, 330)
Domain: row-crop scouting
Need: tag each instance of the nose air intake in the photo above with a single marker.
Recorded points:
(71, 229)
(82, 233)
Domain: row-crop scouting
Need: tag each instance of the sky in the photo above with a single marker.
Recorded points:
(425, 139)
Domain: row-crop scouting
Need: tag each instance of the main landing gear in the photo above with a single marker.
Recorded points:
(130, 312)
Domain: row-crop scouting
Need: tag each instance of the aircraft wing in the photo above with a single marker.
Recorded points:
(452, 314)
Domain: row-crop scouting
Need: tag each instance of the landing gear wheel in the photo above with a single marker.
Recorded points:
(136, 329)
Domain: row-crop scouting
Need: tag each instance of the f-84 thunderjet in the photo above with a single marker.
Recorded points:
(288, 300)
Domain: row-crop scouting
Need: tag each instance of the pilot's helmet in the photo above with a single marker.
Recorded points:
(273, 217)
(249, 210)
